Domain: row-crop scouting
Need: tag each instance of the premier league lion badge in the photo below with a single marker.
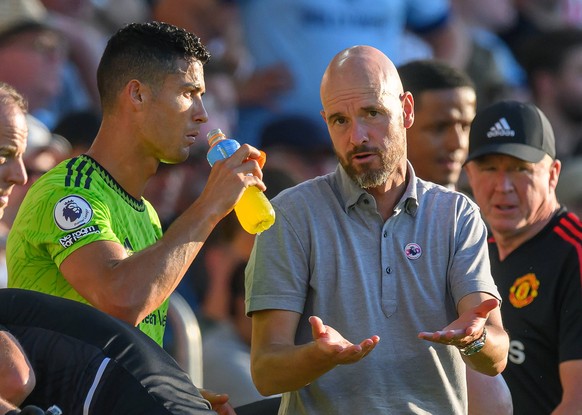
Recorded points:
(72, 212)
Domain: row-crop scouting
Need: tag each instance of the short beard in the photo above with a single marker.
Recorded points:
(371, 178)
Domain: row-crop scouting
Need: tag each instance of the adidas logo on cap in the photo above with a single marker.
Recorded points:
(512, 128)
(501, 129)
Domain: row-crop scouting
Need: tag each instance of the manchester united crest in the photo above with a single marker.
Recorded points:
(524, 290)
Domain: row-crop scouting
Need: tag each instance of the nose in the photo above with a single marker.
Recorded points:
(358, 133)
(457, 138)
(16, 172)
(503, 183)
(199, 113)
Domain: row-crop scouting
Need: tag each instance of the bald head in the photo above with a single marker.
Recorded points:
(367, 112)
(361, 66)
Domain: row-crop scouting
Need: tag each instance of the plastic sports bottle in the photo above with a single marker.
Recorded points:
(254, 211)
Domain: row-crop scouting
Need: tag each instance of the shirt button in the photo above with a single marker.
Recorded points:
(388, 270)
(385, 234)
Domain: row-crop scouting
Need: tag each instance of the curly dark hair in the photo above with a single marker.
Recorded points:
(147, 52)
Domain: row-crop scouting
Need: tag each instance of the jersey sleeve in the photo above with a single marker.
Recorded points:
(69, 219)
(54, 221)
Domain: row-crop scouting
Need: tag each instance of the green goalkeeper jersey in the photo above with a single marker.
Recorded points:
(74, 204)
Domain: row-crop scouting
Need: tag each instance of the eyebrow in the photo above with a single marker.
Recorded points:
(194, 86)
(372, 108)
(334, 115)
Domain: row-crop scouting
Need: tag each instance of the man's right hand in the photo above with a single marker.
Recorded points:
(336, 347)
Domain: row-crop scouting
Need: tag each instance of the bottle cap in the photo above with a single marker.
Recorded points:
(215, 135)
(262, 159)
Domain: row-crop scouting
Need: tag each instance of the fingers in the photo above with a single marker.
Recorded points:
(338, 349)
(213, 397)
(225, 409)
(443, 336)
(249, 161)
(457, 338)
(219, 402)
(317, 327)
(245, 152)
(246, 164)
(369, 344)
(486, 307)
(357, 352)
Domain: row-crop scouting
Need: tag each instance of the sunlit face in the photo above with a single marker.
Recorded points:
(13, 134)
(174, 114)
(367, 126)
(438, 140)
(513, 194)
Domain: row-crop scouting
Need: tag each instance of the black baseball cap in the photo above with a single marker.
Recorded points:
(513, 128)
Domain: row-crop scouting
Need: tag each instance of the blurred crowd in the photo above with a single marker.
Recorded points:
(262, 88)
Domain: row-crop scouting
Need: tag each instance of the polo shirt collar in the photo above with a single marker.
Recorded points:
(351, 193)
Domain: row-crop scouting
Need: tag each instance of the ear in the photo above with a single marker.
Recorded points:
(136, 92)
(407, 109)
(555, 169)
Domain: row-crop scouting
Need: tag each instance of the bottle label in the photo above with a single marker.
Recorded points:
(222, 150)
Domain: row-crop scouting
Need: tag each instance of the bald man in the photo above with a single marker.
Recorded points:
(376, 253)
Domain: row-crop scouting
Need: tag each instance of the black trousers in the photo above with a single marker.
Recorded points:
(87, 362)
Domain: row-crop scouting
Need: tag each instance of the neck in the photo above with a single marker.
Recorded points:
(507, 242)
(128, 166)
(388, 195)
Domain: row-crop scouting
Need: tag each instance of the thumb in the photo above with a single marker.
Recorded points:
(486, 307)
(317, 327)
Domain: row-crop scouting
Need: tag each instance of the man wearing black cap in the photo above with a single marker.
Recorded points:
(535, 252)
